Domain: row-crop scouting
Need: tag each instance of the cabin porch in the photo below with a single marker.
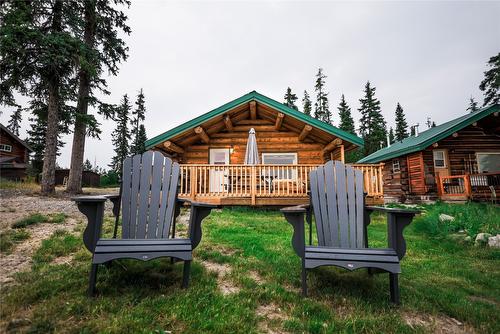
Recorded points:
(264, 184)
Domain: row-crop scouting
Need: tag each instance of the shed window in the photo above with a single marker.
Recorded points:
(439, 159)
(396, 168)
(5, 148)
(488, 162)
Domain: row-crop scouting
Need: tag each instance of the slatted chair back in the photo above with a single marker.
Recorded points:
(337, 199)
(149, 193)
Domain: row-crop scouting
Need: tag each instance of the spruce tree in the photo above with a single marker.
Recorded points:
(321, 106)
(372, 124)
(15, 121)
(346, 120)
(290, 99)
(491, 82)
(138, 130)
(103, 51)
(37, 54)
(87, 166)
(401, 124)
(306, 104)
(472, 105)
(121, 135)
(391, 135)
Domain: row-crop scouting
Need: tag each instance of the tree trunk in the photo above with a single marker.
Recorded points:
(77, 151)
(48, 183)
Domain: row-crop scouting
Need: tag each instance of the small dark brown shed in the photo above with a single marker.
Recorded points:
(89, 178)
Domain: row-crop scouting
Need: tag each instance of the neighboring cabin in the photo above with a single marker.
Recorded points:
(211, 150)
(457, 160)
(14, 156)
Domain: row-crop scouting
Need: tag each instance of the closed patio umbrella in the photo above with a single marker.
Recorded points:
(252, 153)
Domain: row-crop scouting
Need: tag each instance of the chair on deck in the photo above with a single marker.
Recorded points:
(337, 201)
(149, 206)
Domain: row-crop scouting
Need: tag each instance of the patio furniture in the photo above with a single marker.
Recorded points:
(337, 202)
(149, 206)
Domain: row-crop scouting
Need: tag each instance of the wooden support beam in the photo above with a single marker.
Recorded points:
(305, 131)
(333, 145)
(342, 156)
(279, 121)
(228, 123)
(202, 134)
(253, 110)
(172, 147)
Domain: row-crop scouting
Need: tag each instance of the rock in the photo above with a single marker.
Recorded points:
(494, 241)
(446, 218)
(468, 239)
(482, 239)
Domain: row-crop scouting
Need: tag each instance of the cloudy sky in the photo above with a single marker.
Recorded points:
(191, 57)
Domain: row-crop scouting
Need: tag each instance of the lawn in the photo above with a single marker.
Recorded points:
(445, 284)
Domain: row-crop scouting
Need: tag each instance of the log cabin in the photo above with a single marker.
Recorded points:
(211, 150)
(457, 160)
(14, 156)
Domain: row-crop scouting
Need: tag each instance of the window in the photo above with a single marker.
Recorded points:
(396, 168)
(439, 159)
(488, 162)
(5, 148)
(279, 159)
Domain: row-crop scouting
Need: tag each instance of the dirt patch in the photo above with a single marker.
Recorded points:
(222, 270)
(20, 258)
(440, 324)
(256, 277)
(483, 300)
(63, 260)
(272, 317)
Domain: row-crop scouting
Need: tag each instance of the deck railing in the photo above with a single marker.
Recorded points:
(469, 186)
(244, 181)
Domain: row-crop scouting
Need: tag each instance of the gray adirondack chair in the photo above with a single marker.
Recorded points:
(149, 206)
(337, 202)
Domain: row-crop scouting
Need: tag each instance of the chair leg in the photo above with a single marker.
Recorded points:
(185, 275)
(92, 280)
(394, 286)
(304, 281)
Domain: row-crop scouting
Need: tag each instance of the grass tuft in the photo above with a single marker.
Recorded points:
(61, 243)
(38, 218)
(9, 238)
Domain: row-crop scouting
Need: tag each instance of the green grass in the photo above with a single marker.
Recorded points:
(37, 218)
(9, 238)
(440, 278)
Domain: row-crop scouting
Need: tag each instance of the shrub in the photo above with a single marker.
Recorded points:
(110, 179)
(474, 218)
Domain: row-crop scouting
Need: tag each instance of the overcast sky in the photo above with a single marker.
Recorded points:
(193, 57)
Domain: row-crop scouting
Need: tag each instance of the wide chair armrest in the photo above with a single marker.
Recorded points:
(93, 208)
(199, 211)
(397, 220)
(295, 216)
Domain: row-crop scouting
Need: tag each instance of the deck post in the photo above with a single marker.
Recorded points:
(342, 158)
(467, 186)
(194, 182)
(254, 184)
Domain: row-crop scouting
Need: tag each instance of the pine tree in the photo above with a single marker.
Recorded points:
(290, 99)
(37, 54)
(372, 124)
(491, 82)
(104, 50)
(138, 131)
(121, 135)
(321, 106)
(391, 135)
(401, 124)
(15, 121)
(87, 165)
(472, 105)
(346, 120)
(306, 104)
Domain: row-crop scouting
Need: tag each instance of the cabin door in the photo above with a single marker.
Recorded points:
(218, 174)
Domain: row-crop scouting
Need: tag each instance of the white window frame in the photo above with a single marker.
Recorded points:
(279, 153)
(483, 153)
(445, 156)
(394, 162)
(5, 148)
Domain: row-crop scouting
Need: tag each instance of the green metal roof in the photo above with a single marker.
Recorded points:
(262, 99)
(428, 137)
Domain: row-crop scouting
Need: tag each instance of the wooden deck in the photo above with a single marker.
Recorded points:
(262, 185)
(477, 187)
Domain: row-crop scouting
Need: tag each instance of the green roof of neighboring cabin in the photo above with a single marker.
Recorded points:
(254, 96)
(428, 137)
